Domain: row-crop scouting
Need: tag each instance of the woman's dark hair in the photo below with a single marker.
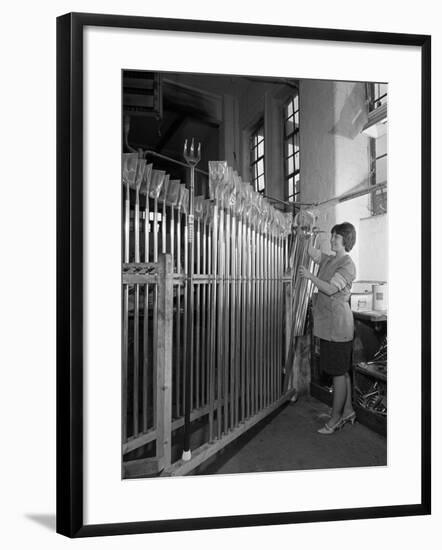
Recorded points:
(348, 234)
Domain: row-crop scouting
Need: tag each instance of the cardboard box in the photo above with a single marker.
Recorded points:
(361, 301)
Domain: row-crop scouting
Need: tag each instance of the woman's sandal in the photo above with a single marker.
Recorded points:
(350, 418)
(328, 430)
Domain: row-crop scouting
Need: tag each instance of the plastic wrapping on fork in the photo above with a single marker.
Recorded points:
(173, 193)
(156, 183)
(164, 188)
(305, 219)
(147, 176)
(227, 200)
(208, 209)
(199, 206)
(217, 173)
(238, 207)
(141, 166)
(129, 168)
(184, 199)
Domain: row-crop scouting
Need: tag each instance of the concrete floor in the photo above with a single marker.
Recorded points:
(287, 440)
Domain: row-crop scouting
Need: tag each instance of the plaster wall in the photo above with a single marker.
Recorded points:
(335, 159)
(373, 263)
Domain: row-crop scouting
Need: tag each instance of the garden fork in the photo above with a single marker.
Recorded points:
(192, 160)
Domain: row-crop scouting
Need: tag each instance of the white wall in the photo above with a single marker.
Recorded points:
(28, 275)
(335, 160)
(373, 264)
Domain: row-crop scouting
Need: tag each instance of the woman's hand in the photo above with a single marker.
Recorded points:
(304, 273)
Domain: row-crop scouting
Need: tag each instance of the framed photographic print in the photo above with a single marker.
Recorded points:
(243, 232)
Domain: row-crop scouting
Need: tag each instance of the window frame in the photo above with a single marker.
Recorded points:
(376, 97)
(292, 137)
(258, 128)
(377, 107)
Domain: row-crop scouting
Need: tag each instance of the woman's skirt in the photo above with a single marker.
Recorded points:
(335, 357)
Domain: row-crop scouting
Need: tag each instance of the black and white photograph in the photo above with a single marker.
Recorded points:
(241, 341)
(221, 265)
(254, 252)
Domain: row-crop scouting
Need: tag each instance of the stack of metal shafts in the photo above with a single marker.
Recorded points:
(241, 245)
(303, 234)
(302, 289)
(152, 203)
(247, 309)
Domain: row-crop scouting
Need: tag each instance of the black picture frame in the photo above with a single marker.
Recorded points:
(70, 273)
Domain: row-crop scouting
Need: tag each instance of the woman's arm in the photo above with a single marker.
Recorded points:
(314, 253)
(324, 287)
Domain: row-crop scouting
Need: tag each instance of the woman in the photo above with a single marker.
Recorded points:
(333, 320)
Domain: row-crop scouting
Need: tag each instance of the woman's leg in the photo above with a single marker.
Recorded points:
(339, 398)
(348, 405)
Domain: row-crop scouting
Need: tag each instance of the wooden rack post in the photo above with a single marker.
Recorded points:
(164, 359)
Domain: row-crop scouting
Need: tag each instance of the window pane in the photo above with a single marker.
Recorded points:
(289, 126)
(297, 184)
(383, 89)
(261, 183)
(381, 145)
(379, 98)
(381, 170)
(289, 109)
(257, 152)
(290, 166)
(376, 90)
(289, 148)
(379, 202)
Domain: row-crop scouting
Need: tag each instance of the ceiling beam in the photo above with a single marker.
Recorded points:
(173, 128)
